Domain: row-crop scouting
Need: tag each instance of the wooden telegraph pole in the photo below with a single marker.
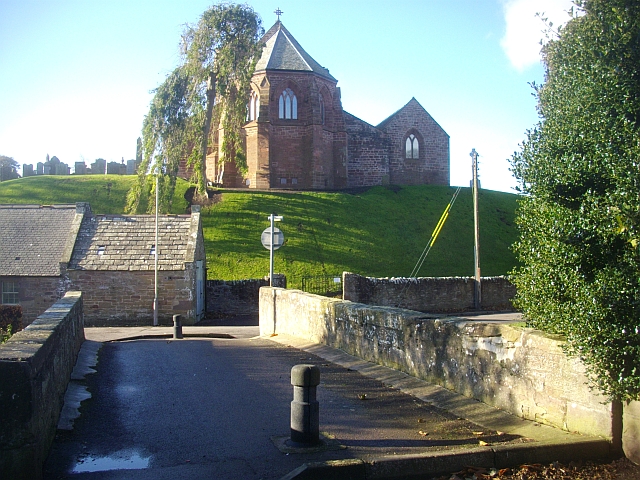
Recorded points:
(477, 299)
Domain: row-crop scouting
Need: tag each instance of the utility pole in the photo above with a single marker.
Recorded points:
(477, 299)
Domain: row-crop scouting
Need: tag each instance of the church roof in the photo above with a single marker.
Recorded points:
(283, 52)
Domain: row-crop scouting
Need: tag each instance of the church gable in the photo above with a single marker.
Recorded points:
(419, 147)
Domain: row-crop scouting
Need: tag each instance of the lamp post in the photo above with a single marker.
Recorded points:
(155, 268)
(477, 300)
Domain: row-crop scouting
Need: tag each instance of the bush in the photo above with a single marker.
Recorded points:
(10, 321)
(580, 217)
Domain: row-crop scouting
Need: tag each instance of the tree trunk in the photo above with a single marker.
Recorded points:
(211, 97)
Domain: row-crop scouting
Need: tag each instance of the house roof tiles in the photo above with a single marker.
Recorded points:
(118, 242)
(34, 239)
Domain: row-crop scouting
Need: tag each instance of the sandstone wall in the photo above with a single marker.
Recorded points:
(35, 368)
(238, 297)
(522, 371)
(121, 297)
(429, 294)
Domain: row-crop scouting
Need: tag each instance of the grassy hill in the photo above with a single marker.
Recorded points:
(378, 232)
(105, 193)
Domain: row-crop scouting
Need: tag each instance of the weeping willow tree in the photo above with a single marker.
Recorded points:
(208, 89)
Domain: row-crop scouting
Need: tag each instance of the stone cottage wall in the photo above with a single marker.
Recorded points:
(36, 294)
(125, 298)
(429, 294)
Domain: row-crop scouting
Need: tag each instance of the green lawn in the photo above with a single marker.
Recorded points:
(380, 232)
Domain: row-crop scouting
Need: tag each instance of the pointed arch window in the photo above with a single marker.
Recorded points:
(412, 147)
(322, 117)
(288, 105)
(254, 107)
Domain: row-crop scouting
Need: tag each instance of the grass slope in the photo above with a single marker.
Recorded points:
(380, 232)
(105, 193)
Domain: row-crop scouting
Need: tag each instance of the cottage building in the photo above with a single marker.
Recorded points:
(298, 136)
(46, 251)
(35, 248)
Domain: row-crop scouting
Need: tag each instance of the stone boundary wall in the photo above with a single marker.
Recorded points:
(519, 370)
(237, 297)
(429, 294)
(35, 368)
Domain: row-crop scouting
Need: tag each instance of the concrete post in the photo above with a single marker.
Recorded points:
(305, 418)
(177, 327)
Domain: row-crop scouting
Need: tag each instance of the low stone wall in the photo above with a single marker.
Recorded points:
(429, 294)
(238, 297)
(35, 368)
(519, 370)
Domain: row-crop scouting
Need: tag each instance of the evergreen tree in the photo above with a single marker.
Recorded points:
(579, 171)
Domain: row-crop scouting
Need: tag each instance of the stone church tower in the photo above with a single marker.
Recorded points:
(298, 137)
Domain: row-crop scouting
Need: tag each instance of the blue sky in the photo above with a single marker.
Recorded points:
(76, 75)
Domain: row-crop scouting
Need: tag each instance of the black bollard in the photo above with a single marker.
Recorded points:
(177, 327)
(305, 418)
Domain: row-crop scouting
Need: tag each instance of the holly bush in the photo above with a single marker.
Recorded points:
(579, 217)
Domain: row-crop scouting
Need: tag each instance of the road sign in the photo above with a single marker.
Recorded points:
(278, 238)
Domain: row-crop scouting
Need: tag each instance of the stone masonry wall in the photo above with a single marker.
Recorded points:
(238, 297)
(368, 153)
(522, 371)
(35, 368)
(429, 294)
(36, 294)
(125, 298)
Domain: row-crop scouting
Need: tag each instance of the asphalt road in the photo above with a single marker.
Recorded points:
(209, 408)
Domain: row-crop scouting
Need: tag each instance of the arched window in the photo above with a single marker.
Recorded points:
(321, 110)
(288, 105)
(412, 147)
(254, 106)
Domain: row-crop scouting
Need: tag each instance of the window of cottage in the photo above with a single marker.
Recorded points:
(283, 181)
(321, 110)
(288, 105)
(101, 249)
(294, 181)
(9, 293)
(254, 106)
(412, 147)
(152, 250)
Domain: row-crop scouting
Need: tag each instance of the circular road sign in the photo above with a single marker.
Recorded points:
(278, 238)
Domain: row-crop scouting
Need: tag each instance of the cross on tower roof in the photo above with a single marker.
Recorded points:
(278, 12)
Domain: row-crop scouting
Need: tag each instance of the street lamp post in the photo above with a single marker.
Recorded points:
(477, 301)
(155, 267)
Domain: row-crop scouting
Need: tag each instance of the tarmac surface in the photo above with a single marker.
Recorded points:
(216, 405)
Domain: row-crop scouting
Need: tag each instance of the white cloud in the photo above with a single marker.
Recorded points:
(524, 29)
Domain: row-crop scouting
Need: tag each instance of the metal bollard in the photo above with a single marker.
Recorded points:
(305, 418)
(177, 327)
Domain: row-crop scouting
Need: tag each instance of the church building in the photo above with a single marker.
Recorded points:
(298, 137)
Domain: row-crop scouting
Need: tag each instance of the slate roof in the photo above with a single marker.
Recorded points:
(283, 52)
(35, 239)
(128, 241)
